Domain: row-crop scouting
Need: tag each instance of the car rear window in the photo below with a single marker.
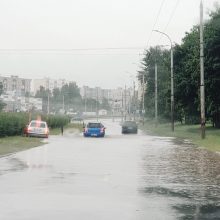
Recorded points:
(129, 123)
(42, 125)
(94, 125)
(38, 124)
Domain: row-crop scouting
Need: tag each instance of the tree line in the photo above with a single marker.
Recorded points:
(186, 75)
(68, 98)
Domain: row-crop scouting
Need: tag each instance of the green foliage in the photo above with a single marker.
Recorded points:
(161, 57)
(212, 67)
(12, 124)
(69, 95)
(105, 104)
(1, 91)
(56, 121)
(187, 75)
(91, 104)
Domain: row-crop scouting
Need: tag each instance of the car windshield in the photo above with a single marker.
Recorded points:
(94, 125)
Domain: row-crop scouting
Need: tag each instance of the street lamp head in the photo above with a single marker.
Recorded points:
(165, 35)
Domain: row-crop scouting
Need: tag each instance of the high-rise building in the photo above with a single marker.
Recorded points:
(16, 84)
(47, 83)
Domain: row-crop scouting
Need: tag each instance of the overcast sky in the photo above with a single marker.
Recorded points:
(89, 24)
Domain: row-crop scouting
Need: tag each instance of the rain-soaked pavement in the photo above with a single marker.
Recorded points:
(119, 177)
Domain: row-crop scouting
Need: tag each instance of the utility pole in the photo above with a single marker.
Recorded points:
(97, 114)
(125, 104)
(156, 98)
(63, 103)
(122, 105)
(172, 89)
(202, 85)
(48, 104)
(129, 105)
(85, 97)
(143, 93)
(172, 83)
(134, 98)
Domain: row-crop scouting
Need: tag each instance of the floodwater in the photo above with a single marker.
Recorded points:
(119, 177)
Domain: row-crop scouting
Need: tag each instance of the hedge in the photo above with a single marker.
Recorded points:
(12, 124)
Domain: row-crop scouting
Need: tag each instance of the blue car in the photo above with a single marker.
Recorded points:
(94, 129)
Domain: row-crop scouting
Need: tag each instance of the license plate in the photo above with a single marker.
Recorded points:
(94, 135)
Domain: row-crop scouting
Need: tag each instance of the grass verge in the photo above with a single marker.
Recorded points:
(74, 126)
(190, 132)
(18, 143)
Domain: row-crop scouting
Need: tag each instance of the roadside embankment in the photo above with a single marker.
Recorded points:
(190, 132)
(14, 144)
(70, 127)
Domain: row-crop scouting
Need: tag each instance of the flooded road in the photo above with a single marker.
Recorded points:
(119, 177)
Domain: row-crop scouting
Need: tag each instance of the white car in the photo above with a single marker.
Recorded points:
(38, 128)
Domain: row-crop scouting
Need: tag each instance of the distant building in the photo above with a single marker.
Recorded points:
(15, 103)
(91, 93)
(16, 84)
(96, 93)
(103, 112)
(47, 83)
(118, 99)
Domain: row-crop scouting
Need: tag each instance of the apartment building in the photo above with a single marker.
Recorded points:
(47, 83)
(14, 83)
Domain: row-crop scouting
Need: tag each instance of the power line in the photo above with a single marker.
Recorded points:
(157, 17)
(170, 18)
(172, 14)
(68, 50)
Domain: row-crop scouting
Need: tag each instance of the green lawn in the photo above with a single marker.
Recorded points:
(18, 143)
(191, 132)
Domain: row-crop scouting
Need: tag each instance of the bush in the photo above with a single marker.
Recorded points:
(12, 124)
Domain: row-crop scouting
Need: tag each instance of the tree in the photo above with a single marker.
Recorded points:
(69, 95)
(162, 58)
(212, 67)
(187, 77)
(44, 94)
(105, 104)
(2, 105)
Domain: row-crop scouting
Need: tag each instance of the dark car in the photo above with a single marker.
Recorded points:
(94, 129)
(129, 127)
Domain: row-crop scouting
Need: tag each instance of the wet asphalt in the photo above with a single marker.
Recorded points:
(119, 177)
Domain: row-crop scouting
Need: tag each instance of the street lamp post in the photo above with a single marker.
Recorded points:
(156, 97)
(143, 94)
(172, 84)
(97, 113)
(48, 104)
(125, 102)
(202, 84)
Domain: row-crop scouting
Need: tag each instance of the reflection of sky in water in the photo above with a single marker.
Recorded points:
(117, 177)
(187, 176)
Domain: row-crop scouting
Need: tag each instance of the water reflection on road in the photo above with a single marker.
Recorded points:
(125, 177)
(186, 176)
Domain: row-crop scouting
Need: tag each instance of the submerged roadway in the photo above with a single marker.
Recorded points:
(118, 177)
